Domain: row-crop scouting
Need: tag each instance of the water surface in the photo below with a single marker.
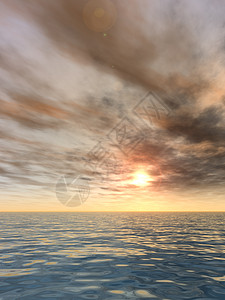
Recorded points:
(112, 256)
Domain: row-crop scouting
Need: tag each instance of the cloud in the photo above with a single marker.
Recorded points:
(66, 86)
(207, 126)
(129, 49)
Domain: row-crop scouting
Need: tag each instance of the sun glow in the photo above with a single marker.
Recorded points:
(141, 178)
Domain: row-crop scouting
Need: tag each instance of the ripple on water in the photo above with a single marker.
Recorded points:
(115, 256)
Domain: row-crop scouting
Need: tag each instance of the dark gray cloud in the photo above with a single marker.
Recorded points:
(207, 126)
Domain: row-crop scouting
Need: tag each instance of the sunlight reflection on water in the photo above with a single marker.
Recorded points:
(112, 256)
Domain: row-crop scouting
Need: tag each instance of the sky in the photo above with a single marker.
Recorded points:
(112, 105)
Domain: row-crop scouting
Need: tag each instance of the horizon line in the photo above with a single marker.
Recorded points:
(102, 211)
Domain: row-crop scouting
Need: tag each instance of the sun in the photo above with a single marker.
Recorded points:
(141, 178)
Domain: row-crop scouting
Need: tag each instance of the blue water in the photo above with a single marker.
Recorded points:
(112, 256)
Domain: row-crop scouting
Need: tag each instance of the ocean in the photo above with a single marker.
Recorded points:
(157, 255)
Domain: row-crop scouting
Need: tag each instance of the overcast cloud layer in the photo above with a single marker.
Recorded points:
(65, 87)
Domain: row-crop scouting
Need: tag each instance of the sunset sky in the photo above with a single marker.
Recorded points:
(124, 98)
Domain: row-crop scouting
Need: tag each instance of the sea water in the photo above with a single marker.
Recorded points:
(112, 256)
